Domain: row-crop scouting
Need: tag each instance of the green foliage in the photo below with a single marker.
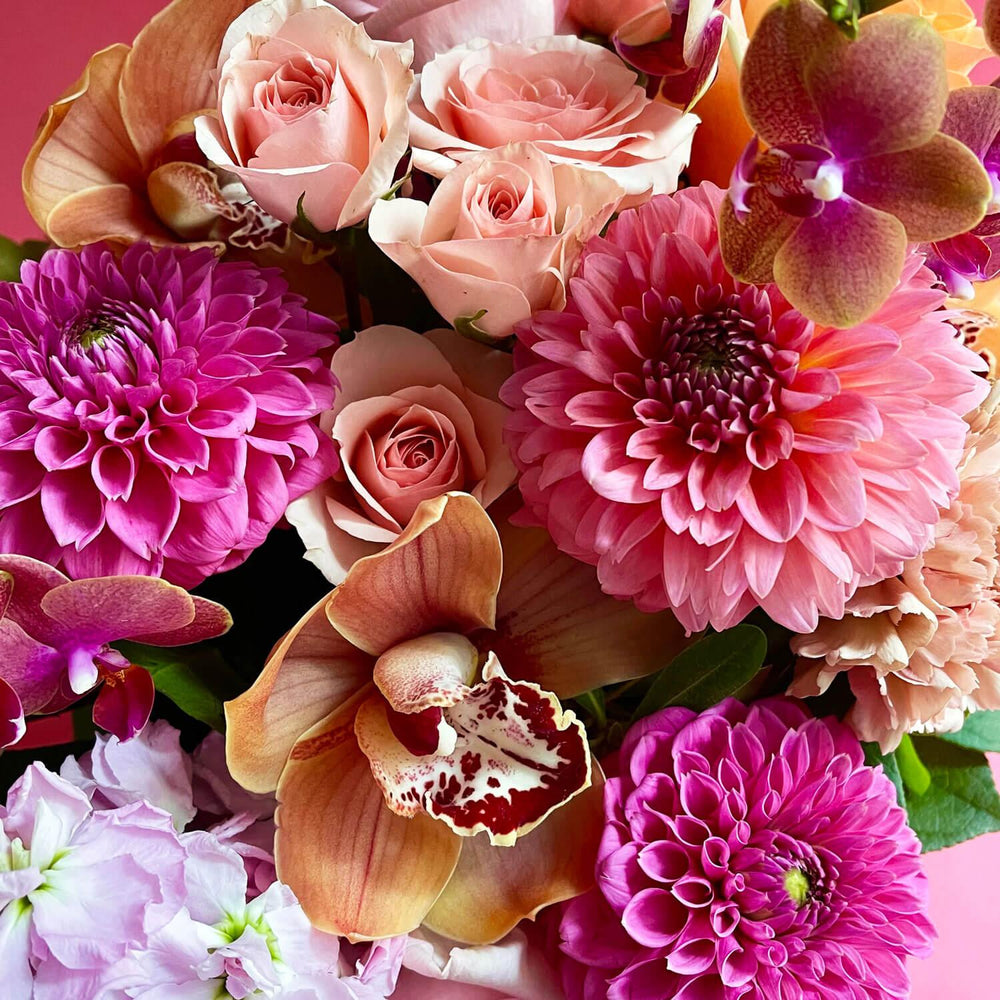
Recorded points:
(914, 773)
(709, 670)
(890, 766)
(980, 732)
(846, 13)
(12, 255)
(961, 801)
(197, 679)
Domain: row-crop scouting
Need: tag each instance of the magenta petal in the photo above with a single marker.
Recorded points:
(31, 668)
(973, 117)
(210, 620)
(654, 917)
(145, 520)
(12, 724)
(6, 590)
(125, 702)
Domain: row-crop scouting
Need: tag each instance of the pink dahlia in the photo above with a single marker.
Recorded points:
(710, 449)
(749, 852)
(138, 399)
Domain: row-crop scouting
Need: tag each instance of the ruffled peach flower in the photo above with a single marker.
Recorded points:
(311, 112)
(416, 416)
(575, 100)
(389, 754)
(724, 131)
(922, 649)
(500, 238)
(115, 158)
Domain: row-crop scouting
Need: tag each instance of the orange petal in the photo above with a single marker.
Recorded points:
(310, 673)
(169, 73)
(499, 761)
(187, 197)
(495, 887)
(114, 213)
(441, 574)
(357, 868)
(82, 143)
(430, 671)
(557, 628)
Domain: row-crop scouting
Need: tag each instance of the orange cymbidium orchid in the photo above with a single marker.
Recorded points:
(115, 158)
(399, 777)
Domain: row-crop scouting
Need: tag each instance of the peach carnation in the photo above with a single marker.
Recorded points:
(922, 649)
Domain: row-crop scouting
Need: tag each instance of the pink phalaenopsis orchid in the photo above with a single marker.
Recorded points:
(56, 635)
(856, 166)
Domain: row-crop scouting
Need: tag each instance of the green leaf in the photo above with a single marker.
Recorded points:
(980, 732)
(707, 671)
(915, 775)
(12, 255)
(197, 679)
(593, 703)
(962, 801)
(890, 766)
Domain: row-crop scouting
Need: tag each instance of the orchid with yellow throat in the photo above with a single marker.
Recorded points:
(409, 792)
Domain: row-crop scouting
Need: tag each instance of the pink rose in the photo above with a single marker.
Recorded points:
(578, 102)
(309, 105)
(501, 236)
(435, 26)
(415, 417)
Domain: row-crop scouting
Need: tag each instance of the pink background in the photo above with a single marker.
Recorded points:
(44, 46)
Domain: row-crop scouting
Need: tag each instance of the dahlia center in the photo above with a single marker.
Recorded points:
(92, 329)
(798, 886)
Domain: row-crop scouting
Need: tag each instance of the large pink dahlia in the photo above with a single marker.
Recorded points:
(156, 411)
(749, 852)
(710, 449)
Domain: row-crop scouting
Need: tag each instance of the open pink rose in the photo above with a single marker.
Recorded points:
(415, 418)
(501, 236)
(309, 106)
(578, 102)
(437, 25)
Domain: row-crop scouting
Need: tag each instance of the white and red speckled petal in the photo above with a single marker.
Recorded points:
(517, 756)
(430, 671)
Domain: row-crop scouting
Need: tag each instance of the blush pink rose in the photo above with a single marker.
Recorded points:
(501, 236)
(578, 102)
(416, 417)
(435, 26)
(309, 108)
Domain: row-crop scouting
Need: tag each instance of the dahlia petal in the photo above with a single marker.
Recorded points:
(654, 917)
(552, 863)
(512, 767)
(146, 519)
(20, 478)
(610, 473)
(113, 470)
(72, 507)
(385, 872)
(61, 448)
(841, 265)
(774, 503)
(937, 190)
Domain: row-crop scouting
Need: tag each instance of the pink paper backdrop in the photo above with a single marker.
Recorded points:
(44, 45)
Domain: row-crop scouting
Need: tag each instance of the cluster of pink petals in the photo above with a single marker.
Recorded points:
(710, 449)
(923, 649)
(138, 398)
(749, 852)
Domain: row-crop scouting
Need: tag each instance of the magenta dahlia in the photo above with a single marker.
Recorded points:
(156, 411)
(748, 852)
(710, 449)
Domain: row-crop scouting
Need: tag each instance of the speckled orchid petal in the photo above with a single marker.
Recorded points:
(840, 265)
(106, 608)
(882, 93)
(991, 24)
(32, 580)
(552, 863)
(517, 756)
(12, 725)
(442, 573)
(936, 190)
(125, 701)
(775, 100)
(210, 620)
(311, 671)
(6, 590)
(750, 239)
(432, 671)
(356, 867)
(973, 117)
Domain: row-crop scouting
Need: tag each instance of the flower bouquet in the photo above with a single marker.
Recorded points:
(500, 501)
